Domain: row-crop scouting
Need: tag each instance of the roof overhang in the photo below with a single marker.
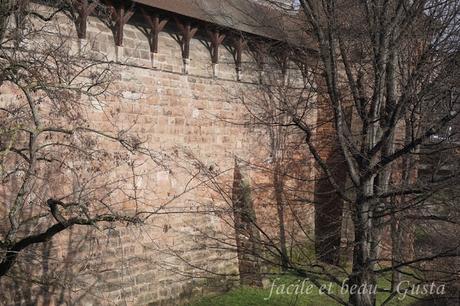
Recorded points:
(241, 15)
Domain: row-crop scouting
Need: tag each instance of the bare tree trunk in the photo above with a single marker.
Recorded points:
(401, 231)
(278, 183)
(362, 276)
(396, 251)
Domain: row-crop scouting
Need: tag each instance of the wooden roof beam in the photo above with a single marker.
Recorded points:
(120, 13)
(155, 26)
(79, 12)
(236, 48)
(186, 33)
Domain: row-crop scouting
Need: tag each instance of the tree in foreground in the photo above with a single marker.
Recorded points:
(59, 167)
(393, 74)
(385, 85)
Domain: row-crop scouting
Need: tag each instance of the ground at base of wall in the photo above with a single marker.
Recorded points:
(247, 296)
(202, 288)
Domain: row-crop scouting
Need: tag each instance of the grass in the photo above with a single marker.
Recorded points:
(246, 296)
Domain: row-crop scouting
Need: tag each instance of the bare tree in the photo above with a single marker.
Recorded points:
(59, 167)
(384, 76)
(402, 55)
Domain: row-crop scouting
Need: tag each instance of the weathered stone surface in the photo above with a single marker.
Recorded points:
(173, 113)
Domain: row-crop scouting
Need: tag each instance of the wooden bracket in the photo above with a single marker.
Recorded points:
(236, 49)
(282, 59)
(120, 13)
(260, 51)
(216, 39)
(303, 62)
(79, 12)
(303, 67)
(155, 26)
(186, 34)
(238, 46)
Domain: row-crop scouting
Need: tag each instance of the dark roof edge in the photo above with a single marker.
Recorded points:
(240, 15)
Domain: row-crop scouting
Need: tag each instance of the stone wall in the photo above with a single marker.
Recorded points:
(186, 117)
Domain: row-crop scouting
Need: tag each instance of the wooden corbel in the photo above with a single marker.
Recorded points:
(216, 38)
(79, 12)
(236, 49)
(303, 67)
(120, 13)
(186, 33)
(282, 59)
(304, 62)
(155, 26)
(259, 51)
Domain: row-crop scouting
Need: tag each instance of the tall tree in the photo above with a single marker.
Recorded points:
(383, 73)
